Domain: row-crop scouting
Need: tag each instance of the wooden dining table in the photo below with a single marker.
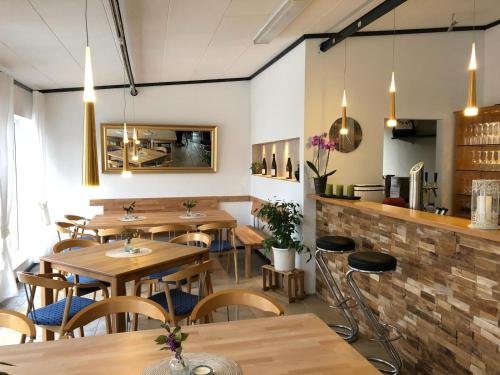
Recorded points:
(152, 219)
(285, 345)
(93, 262)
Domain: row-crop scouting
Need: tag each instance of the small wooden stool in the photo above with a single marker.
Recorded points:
(290, 282)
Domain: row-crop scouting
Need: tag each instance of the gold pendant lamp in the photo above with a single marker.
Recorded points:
(90, 169)
(471, 108)
(392, 120)
(343, 129)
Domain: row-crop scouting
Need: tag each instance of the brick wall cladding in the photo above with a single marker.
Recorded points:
(444, 296)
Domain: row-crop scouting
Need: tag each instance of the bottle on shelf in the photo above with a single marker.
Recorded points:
(274, 168)
(264, 166)
(289, 169)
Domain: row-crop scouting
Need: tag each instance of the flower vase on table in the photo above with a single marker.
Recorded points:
(178, 365)
(129, 235)
(320, 161)
(189, 205)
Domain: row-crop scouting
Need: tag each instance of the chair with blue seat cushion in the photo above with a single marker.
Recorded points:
(177, 302)
(224, 242)
(116, 305)
(72, 245)
(54, 316)
(190, 238)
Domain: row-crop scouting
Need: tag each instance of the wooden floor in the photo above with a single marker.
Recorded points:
(221, 280)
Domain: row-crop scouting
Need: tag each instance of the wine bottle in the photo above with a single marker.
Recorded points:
(274, 167)
(264, 167)
(289, 169)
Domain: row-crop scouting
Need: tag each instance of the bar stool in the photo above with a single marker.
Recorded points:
(375, 262)
(337, 245)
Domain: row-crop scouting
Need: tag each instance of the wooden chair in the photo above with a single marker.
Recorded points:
(80, 230)
(106, 234)
(65, 228)
(178, 303)
(76, 219)
(54, 316)
(73, 244)
(18, 322)
(116, 305)
(170, 230)
(223, 246)
(229, 297)
(194, 239)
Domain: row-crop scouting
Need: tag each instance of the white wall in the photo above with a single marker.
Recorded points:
(492, 66)
(277, 112)
(431, 83)
(223, 104)
(23, 102)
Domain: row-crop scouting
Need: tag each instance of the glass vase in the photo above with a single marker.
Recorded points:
(485, 204)
(179, 365)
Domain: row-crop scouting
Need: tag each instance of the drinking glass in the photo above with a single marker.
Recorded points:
(474, 157)
(466, 135)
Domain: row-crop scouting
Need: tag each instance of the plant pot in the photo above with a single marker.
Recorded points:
(320, 184)
(284, 259)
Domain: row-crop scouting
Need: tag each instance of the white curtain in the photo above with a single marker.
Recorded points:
(8, 286)
(43, 225)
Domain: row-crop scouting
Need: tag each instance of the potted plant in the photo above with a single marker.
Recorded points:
(323, 146)
(256, 167)
(283, 219)
(189, 205)
(173, 341)
(129, 210)
(130, 234)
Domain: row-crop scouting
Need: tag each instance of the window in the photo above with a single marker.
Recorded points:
(25, 212)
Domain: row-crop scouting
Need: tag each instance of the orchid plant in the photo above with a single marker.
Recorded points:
(323, 145)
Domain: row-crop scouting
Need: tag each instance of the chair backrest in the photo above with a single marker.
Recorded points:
(44, 280)
(216, 226)
(64, 227)
(77, 219)
(116, 305)
(193, 239)
(104, 234)
(72, 243)
(189, 272)
(18, 322)
(228, 297)
(220, 230)
(172, 230)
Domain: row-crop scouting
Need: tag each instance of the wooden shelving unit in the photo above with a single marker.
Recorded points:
(284, 149)
(477, 154)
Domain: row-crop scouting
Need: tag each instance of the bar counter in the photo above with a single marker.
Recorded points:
(444, 296)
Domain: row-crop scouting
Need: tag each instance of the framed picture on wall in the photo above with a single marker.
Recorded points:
(159, 148)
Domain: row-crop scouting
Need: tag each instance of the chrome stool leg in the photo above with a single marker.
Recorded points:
(349, 331)
(381, 329)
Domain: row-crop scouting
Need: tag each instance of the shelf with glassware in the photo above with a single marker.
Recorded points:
(477, 154)
(278, 160)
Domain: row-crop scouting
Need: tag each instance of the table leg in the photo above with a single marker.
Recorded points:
(248, 261)
(118, 289)
(47, 298)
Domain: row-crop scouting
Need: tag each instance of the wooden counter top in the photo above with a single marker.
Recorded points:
(451, 223)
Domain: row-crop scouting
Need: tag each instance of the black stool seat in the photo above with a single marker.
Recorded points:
(372, 261)
(335, 243)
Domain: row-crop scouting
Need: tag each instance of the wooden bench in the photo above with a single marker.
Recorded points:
(290, 282)
(251, 237)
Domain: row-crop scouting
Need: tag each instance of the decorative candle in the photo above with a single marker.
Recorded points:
(202, 370)
(350, 191)
(485, 204)
(340, 191)
(329, 189)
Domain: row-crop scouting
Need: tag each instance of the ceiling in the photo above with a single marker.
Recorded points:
(42, 41)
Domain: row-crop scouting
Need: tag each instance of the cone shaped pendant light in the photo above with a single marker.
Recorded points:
(343, 128)
(471, 108)
(391, 120)
(90, 169)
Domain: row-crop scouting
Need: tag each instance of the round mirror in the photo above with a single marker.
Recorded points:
(350, 141)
